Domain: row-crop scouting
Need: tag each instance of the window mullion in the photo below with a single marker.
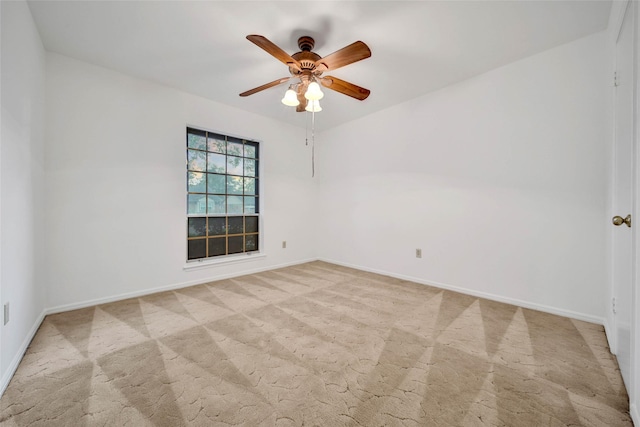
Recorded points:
(229, 161)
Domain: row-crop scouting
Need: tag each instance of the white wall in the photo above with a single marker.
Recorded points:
(500, 180)
(115, 164)
(21, 178)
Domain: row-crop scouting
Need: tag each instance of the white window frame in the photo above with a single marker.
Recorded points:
(236, 257)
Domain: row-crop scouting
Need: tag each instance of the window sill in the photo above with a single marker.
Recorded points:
(235, 259)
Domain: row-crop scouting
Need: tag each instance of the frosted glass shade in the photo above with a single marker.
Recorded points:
(313, 92)
(313, 106)
(290, 98)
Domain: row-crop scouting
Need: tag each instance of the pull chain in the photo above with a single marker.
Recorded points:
(313, 139)
(306, 129)
(313, 144)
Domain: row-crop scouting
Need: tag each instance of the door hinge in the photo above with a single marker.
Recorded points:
(613, 305)
(615, 78)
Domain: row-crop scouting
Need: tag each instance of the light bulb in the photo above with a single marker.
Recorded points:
(313, 92)
(290, 98)
(313, 106)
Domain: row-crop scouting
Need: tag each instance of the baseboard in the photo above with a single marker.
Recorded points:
(6, 378)
(635, 415)
(486, 295)
(611, 337)
(136, 294)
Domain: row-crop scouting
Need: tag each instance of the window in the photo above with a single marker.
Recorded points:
(222, 195)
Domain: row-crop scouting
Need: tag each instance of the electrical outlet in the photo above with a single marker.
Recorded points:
(418, 253)
(6, 313)
(284, 244)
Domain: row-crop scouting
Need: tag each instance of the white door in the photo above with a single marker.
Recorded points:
(623, 195)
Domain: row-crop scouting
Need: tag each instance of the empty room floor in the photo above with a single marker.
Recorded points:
(315, 344)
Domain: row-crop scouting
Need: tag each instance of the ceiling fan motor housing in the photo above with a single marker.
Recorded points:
(305, 57)
(307, 62)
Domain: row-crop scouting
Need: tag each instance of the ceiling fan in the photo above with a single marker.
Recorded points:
(307, 68)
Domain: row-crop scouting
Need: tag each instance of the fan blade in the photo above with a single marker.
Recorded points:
(347, 55)
(265, 86)
(273, 50)
(344, 87)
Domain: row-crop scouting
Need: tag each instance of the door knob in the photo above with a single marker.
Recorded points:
(618, 220)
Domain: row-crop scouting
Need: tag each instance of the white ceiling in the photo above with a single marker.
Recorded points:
(417, 46)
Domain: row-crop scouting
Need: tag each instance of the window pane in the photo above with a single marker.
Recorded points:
(222, 195)
(215, 183)
(196, 140)
(234, 148)
(196, 248)
(197, 160)
(215, 205)
(249, 186)
(235, 244)
(197, 204)
(197, 183)
(216, 163)
(250, 149)
(234, 185)
(234, 204)
(251, 243)
(234, 165)
(217, 226)
(217, 246)
(197, 227)
(250, 205)
(251, 224)
(250, 167)
(216, 143)
(236, 224)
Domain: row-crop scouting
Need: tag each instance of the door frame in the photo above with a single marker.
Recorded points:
(618, 12)
(634, 393)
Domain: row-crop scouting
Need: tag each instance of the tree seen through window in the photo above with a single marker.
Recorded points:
(222, 195)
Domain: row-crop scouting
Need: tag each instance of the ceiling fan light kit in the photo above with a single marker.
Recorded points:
(290, 98)
(313, 92)
(313, 106)
(307, 67)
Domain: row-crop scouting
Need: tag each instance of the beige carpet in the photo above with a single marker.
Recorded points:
(315, 344)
